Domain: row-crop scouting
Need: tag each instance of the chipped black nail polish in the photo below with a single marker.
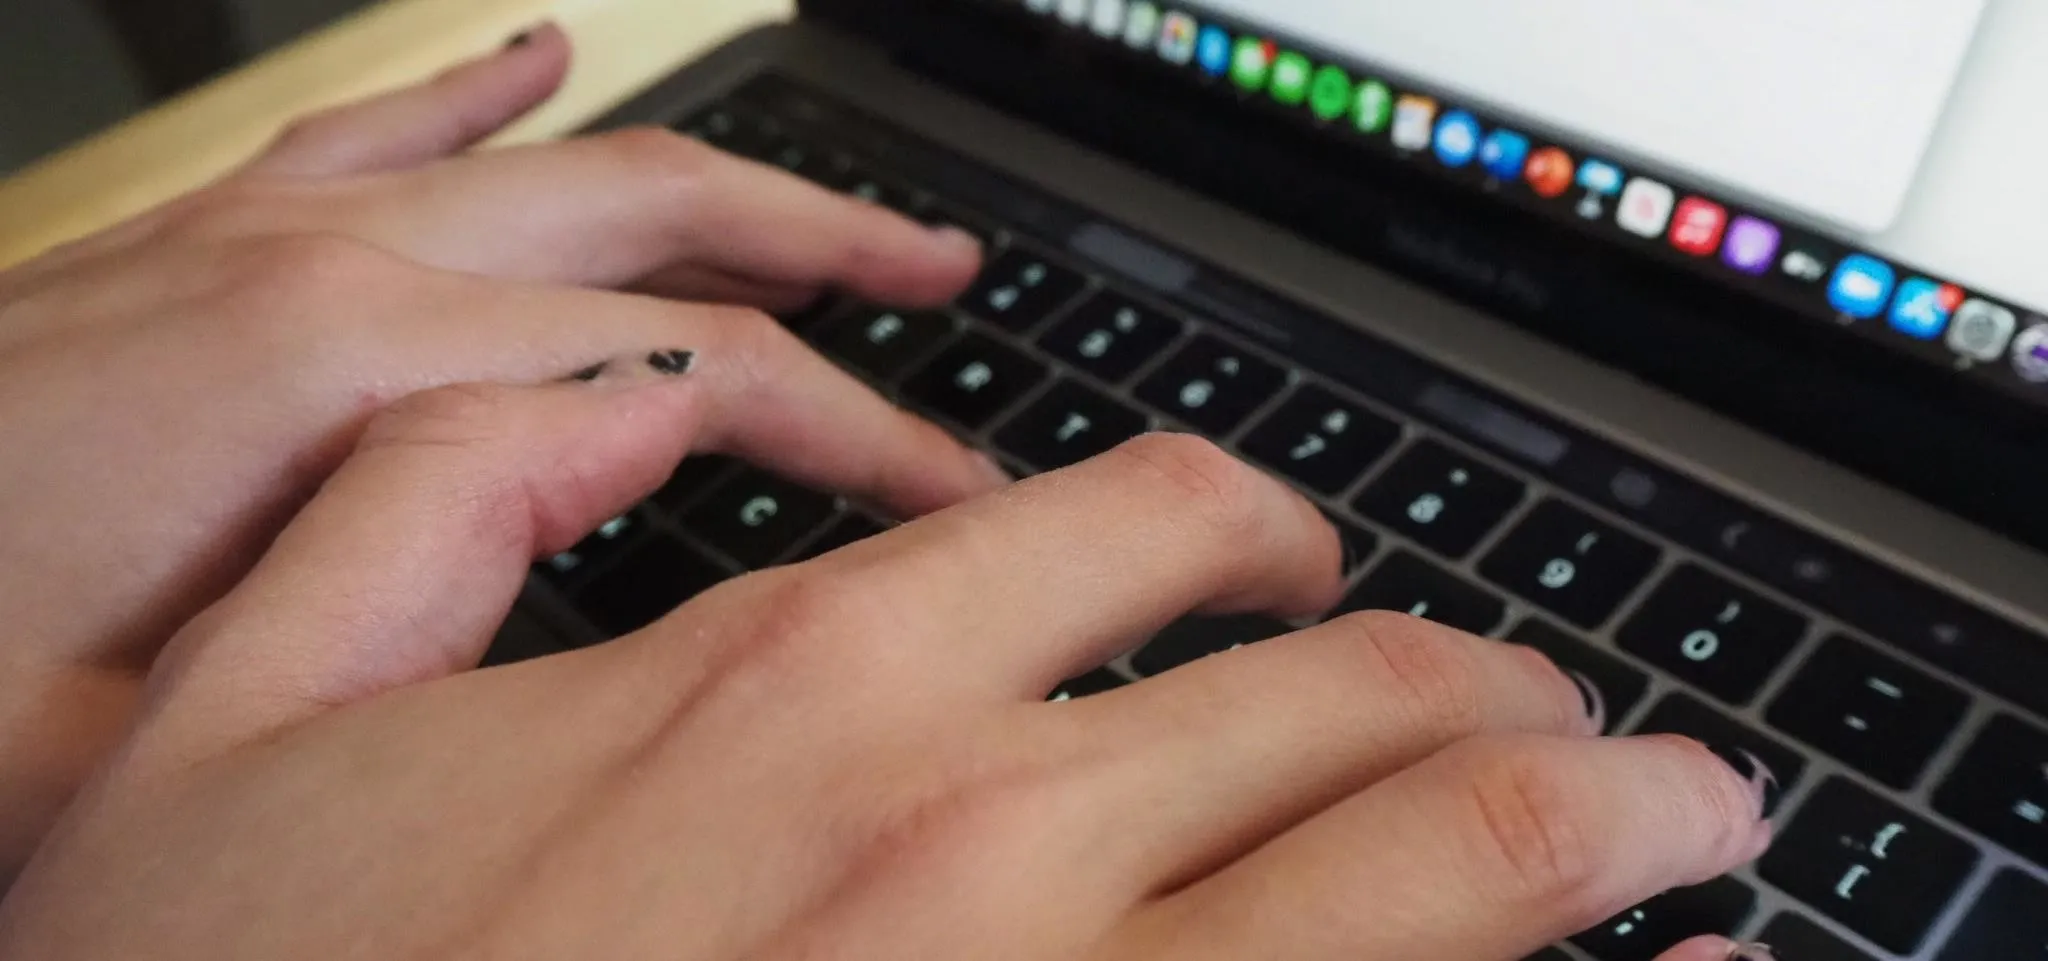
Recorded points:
(590, 373)
(1595, 701)
(1756, 773)
(520, 39)
(674, 363)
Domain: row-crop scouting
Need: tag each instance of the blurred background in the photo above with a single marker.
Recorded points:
(69, 68)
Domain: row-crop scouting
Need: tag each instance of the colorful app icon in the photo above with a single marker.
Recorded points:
(1504, 153)
(1600, 180)
(1212, 51)
(1457, 138)
(1107, 20)
(1861, 286)
(1141, 29)
(1804, 266)
(1414, 122)
(1374, 107)
(1698, 226)
(1291, 76)
(1549, 172)
(1982, 330)
(2030, 353)
(1329, 94)
(1924, 306)
(1752, 245)
(1646, 207)
(1177, 38)
(1252, 65)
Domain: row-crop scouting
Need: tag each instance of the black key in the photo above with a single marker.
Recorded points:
(1649, 929)
(1068, 425)
(974, 380)
(691, 480)
(657, 577)
(1441, 499)
(1212, 385)
(2000, 788)
(1359, 544)
(1869, 864)
(1321, 440)
(1621, 686)
(1683, 714)
(850, 530)
(2009, 923)
(1102, 680)
(1409, 584)
(1869, 710)
(728, 129)
(816, 164)
(1193, 638)
(862, 184)
(756, 518)
(802, 320)
(1111, 336)
(1569, 562)
(1792, 936)
(1020, 288)
(1710, 632)
(592, 552)
(885, 343)
(519, 641)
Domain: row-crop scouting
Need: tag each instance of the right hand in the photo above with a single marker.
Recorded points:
(851, 758)
(173, 390)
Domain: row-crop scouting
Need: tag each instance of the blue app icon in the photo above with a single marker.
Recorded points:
(1924, 307)
(1861, 286)
(1600, 178)
(1457, 138)
(1503, 154)
(1212, 51)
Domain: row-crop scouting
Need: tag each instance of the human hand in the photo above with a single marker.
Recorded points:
(849, 758)
(173, 390)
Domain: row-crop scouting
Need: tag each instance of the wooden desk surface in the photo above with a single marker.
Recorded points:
(621, 46)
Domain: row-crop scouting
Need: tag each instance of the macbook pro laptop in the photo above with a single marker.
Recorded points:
(1701, 346)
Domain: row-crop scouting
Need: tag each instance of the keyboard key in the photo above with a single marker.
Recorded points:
(939, 213)
(1870, 710)
(1792, 936)
(656, 577)
(1569, 562)
(592, 552)
(1068, 425)
(756, 518)
(816, 164)
(1441, 499)
(1020, 288)
(2009, 923)
(1869, 864)
(519, 641)
(1408, 584)
(691, 480)
(2000, 788)
(727, 128)
(862, 184)
(1102, 680)
(1685, 715)
(1712, 633)
(1212, 385)
(850, 530)
(1111, 336)
(974, 380)
(1321, 440)
(1621, 686)
(885, 343)
(1193, 638)
(1663, 922)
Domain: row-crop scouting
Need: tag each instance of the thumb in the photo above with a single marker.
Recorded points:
(405, 564)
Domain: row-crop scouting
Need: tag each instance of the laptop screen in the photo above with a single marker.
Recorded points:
(1866, 163)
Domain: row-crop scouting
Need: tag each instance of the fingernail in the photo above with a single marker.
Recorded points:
(672, 363)
(590, 373)
(955, 237)
(1752, 769)
(522, 38)
(1751, 952)
(1596, 702)
(992, 470)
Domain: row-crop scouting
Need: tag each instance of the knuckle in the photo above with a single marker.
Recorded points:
(1533, 825)
(795, 617)
(458, 416)
(657, 151)
(754, 348)
(316, 265)
(1200, 477)
(1013, 808)
(1434, 677)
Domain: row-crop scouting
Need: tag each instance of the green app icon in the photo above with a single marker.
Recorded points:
(1374, 107)
(1291, 78)
(1329, 95)
(1251, 64)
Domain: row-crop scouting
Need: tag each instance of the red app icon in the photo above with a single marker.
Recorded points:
(1549, 172)
(1697, 227)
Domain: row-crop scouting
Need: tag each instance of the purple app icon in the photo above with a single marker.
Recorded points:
(1752, 245)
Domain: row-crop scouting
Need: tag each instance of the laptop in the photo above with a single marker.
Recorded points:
(1701, 346)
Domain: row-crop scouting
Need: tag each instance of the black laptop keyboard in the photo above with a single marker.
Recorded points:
(1914, 817)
